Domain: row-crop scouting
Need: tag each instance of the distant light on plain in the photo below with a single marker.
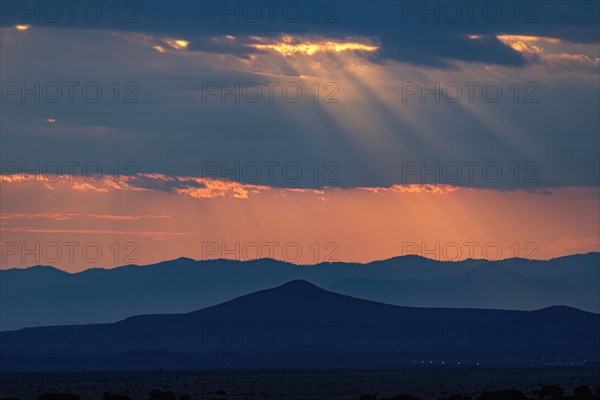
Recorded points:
(22, 27)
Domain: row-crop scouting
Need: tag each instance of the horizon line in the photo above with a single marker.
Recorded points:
(297, 265)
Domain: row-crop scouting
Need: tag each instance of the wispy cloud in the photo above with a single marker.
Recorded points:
(189, 186)
(149, 234)
(553, 51)
(71, 216)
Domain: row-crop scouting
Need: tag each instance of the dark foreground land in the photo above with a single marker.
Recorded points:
(308, 385)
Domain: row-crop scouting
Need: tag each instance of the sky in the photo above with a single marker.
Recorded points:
(136, 132)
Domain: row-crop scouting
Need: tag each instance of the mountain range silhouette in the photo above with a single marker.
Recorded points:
(43, 295)
(299, 325)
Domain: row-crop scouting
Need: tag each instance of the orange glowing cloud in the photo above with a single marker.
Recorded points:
(289, 45)
(527, 44)
(205, 188)
(524, 38)
(415, 188)
(178, 44)
(217, 189)
(554, 52)
(102, 184)
(201, 188)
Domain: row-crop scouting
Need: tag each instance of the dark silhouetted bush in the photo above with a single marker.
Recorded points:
(220, 394)
(583, 392)
(156, 394)
(503, 395)
(552, 392)
(113, 396)
(402, 397)
(185, 397)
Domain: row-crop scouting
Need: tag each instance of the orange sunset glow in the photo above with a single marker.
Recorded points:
(365, 224)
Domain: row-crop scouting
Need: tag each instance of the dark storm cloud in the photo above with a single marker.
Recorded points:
(161, 184)
(428, 32)
(172, 131)
(426, 48)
